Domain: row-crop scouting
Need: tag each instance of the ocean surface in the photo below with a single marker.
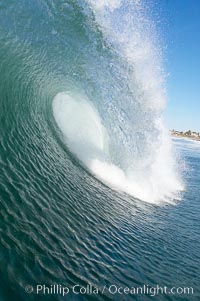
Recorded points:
(93, 191)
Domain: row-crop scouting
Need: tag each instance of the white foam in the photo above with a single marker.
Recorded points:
(81, 126)
(111, 5)
(85, 135)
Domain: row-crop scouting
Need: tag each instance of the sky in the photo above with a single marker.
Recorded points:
(183, 64)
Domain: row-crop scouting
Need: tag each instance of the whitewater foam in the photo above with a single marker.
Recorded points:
(81, 126)
(86, 136)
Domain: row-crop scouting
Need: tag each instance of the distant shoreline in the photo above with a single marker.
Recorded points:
(189, 135)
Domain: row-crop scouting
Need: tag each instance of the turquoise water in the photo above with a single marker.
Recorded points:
(92, 190)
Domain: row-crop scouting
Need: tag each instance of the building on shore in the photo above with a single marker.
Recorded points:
(187, 134)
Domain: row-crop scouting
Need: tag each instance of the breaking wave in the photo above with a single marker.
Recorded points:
(117, 131)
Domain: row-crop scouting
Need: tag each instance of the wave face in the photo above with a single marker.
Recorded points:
(122, 139)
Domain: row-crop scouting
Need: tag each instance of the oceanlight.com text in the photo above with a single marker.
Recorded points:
(62, 290)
